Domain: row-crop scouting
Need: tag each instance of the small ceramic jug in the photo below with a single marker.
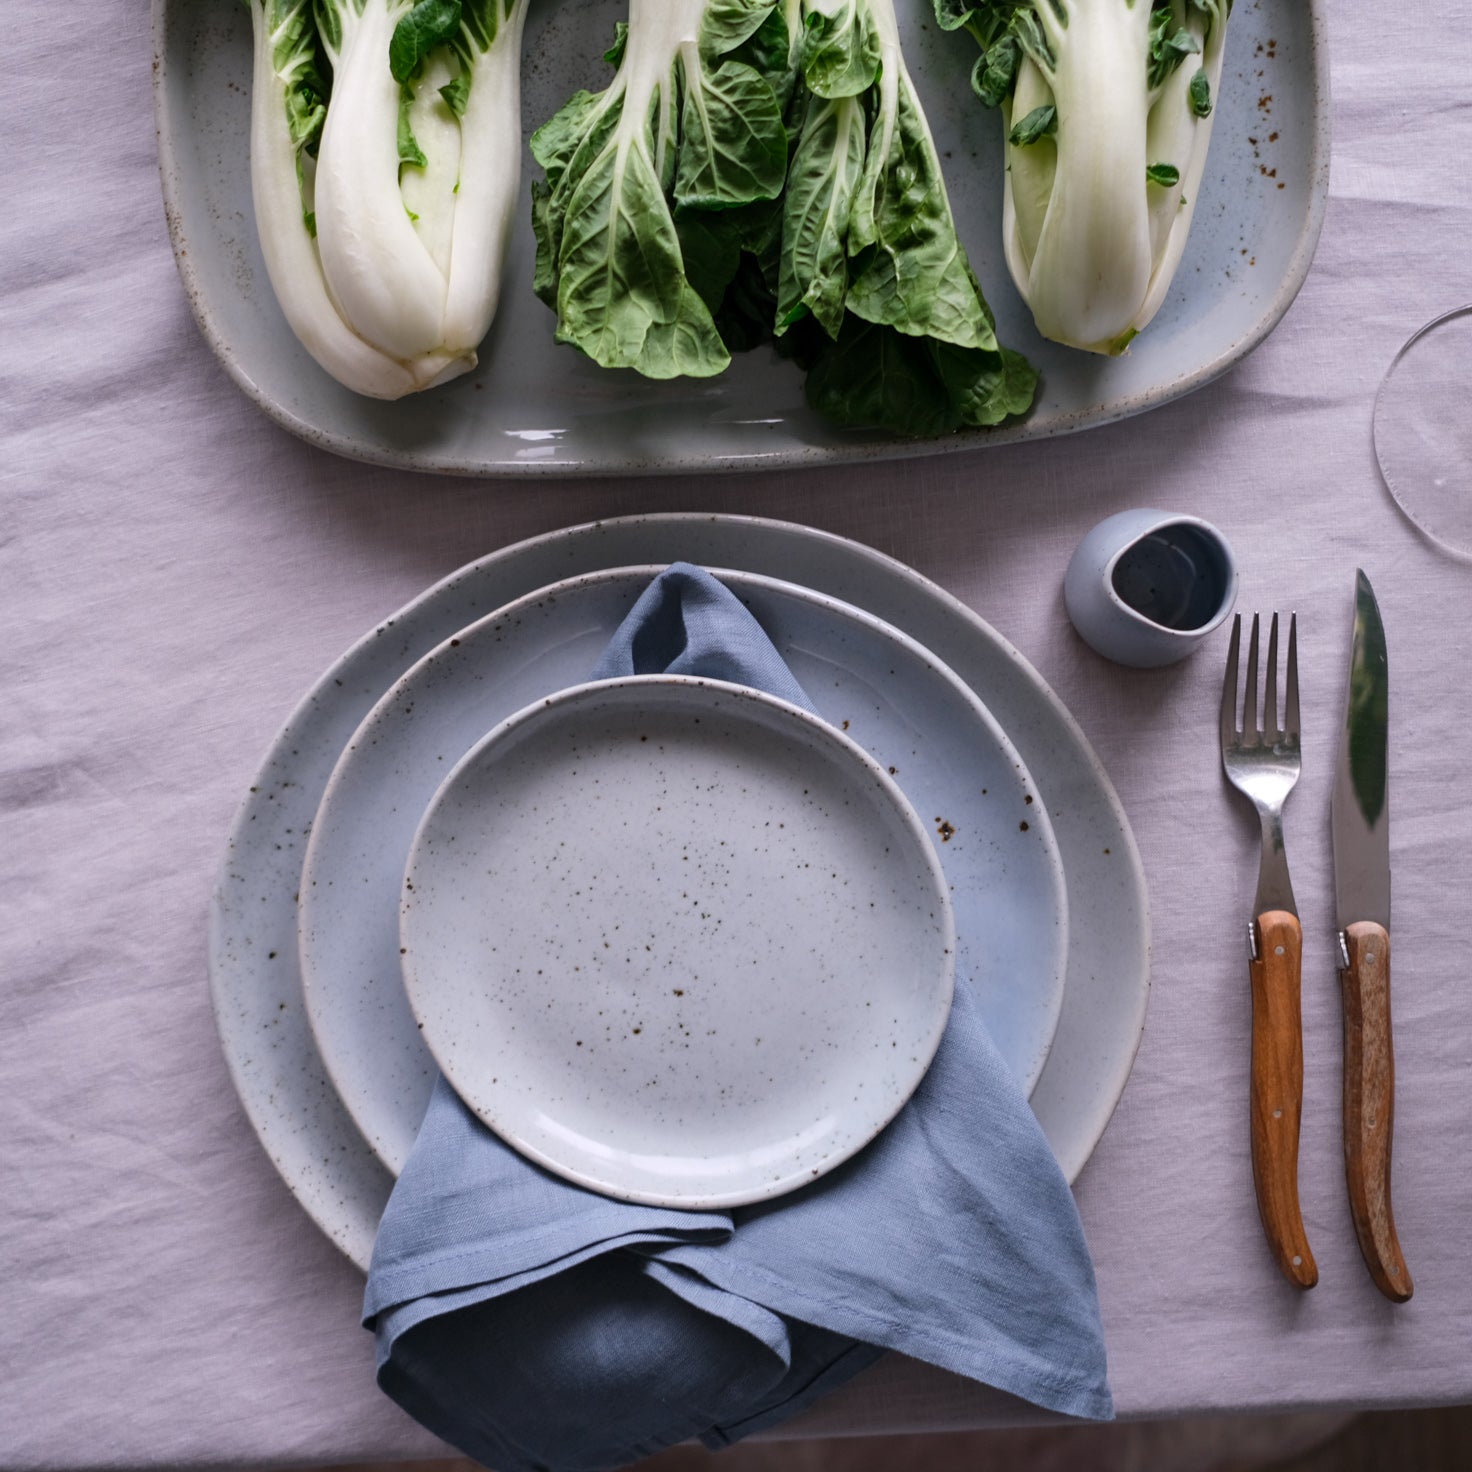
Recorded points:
(1146, 587)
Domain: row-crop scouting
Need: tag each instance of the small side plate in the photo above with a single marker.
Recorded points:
(676, 940)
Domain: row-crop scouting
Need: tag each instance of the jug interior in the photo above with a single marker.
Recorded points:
(1176, 576)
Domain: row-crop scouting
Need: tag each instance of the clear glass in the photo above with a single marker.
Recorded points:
(1423, 430)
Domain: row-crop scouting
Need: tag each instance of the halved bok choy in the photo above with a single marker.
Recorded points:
(875, 286)
(385, 168)
(1107, 108)
(762, 171)
(651, 183)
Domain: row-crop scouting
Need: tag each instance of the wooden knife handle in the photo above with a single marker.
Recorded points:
(1369, 1104)
(1277, 1091)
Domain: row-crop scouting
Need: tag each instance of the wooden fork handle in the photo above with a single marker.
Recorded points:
(1277, 1091)
(1369, 1104)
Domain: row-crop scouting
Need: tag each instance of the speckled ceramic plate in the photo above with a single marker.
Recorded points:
(255, 975)
(535, 407)
(676, 940)
(893, 697)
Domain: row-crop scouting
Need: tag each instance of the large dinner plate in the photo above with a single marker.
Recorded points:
(908, 712)
(255, 974)
(536, 407)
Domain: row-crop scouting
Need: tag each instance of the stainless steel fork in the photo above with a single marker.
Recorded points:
(1263, 762)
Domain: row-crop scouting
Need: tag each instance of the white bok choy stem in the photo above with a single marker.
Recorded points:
(1107, 106)
(1080, 252)
(379, 272)
(490, 171)
(283, 104)
(1178, 130)
(386, 249)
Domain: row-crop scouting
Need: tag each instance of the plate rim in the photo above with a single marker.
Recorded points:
(793, 457)
(331, 1204)
(836, 750)
(744, 584)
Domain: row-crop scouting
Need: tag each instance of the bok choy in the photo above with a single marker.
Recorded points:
(1107, 108)
(385, 169)
(870, 252)
(690, 126)
(761, 170)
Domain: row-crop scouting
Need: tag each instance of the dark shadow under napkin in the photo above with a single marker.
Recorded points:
(535, 1325)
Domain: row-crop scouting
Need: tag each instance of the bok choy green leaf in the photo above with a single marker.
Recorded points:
(762, 171)
(688, 129)
(870, 248)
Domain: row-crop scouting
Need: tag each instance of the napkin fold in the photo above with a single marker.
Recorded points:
(539, 1327)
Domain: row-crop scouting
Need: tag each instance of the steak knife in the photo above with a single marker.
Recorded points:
(1360, 822)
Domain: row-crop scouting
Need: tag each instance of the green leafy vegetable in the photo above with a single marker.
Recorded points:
(456, 93)
(685, 129)
(840, 47)
(916, 386)
(1170, 45)
(429, 24)
(1199, 94)
(826, 168)
(409, 149)
(996, 70)
(1041, 122)
(1094, 96)
(770, 176)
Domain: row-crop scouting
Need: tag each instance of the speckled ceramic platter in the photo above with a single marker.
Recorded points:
(255, 975)
(908, 711)
(536, 407)
(676, 940)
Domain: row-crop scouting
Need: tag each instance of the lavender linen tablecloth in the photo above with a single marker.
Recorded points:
(175, 571)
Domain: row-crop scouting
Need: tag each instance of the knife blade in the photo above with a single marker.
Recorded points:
(1360, 829)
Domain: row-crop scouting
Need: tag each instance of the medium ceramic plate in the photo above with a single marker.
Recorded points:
(536, 407)
(906, 710)
(676, 940)
(255, 976)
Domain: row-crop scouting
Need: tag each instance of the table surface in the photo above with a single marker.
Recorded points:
(175, 570)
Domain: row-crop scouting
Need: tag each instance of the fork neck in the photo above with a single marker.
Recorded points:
(1274, 887)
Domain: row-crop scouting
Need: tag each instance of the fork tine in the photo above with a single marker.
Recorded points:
(1249, 699)
(1290, 721)
(1270, 690)
(1229, 686)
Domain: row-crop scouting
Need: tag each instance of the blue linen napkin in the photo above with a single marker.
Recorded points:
(539, 1327)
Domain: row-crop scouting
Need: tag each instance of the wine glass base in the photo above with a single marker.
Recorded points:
(1423, 430)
